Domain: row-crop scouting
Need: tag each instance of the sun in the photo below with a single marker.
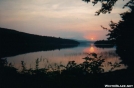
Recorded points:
(92, 38)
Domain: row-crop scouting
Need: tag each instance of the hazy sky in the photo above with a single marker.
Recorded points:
(60, 18)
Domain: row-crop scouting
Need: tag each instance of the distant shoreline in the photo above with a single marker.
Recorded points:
(15, 42)
(104, 44)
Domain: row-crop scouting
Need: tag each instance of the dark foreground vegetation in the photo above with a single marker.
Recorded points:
(14, 42)
(88, 74)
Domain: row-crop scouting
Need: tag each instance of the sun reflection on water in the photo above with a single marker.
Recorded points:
(65, 55)
(91, 49)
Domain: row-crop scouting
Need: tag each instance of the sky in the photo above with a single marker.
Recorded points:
(72, 19)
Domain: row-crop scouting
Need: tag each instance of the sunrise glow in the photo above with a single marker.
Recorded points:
(92, 38)
(58, 18)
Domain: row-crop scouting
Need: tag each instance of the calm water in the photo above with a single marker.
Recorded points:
(64, 55)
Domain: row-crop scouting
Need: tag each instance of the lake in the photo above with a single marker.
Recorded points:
(63, 56)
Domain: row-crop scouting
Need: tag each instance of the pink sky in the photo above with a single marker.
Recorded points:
(60, 18)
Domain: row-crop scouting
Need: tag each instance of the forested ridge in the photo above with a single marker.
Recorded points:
(15, 42)
(12, 36)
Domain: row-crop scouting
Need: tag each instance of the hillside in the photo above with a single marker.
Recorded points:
(12, 36)
(14, 41)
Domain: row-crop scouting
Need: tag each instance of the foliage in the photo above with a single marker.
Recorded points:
(107, 5)
(92, 64)
(73, 75)
(122, 32)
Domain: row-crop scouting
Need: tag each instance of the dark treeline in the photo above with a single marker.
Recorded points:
(14, 42)
(104, 44)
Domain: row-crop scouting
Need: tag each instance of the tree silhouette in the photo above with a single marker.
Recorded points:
(122, 34)
(107, 5)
